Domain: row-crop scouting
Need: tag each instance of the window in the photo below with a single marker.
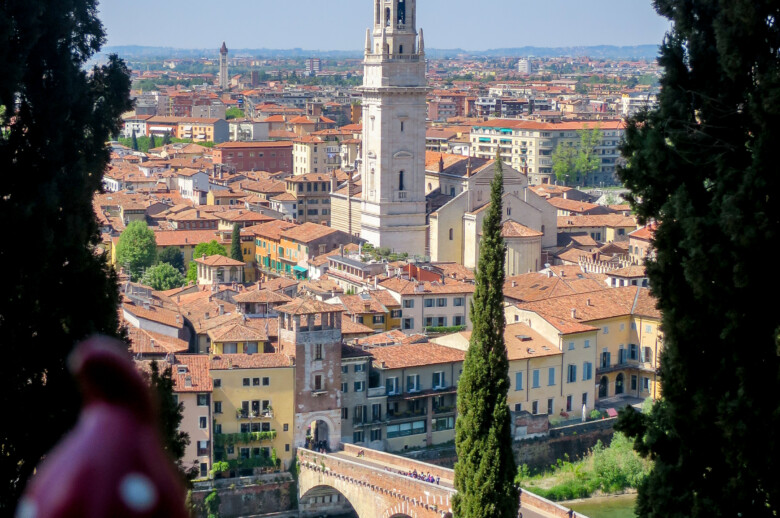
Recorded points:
(203, 400)
(571, 346)
(442, 303)
(442, 423)
(457, 302)
(360, 386)
(204, 469)
(266, 382)
(633, 353)
(357, 436)
(230, 348)
(408, 323)
(572, 376)
(217, 407)
(286, 427)
(318, 382)
(551, 376)
(648, 328)
(255, 382)
(376, 435)
(633, 381)
(535, 374)
(633, 326)
(360, 367)
(217, 383)
(345, 386)
(345, 369)
(428, 303)
(395, 313)
(568, 403)
(518, 381)
(318, 352)
(379, 319)
(438, 380)
(217, 429)
(376, 412)
(645, 384)
(202, 422)
(345, 413)
(287, 447)
(245, 382)
(408, 303)
(358, 414)
(391, 386)
(457, 320)
(647, 354)
(250, 348)
(550, 405)
(606, 330)
(587, 371)
(534, 407)
(587, 344)
(413, 383)
(401, 181)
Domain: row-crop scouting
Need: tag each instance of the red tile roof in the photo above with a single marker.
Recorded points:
(250, 361)
(415, 355)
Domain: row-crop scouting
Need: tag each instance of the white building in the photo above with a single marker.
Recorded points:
(394, 111)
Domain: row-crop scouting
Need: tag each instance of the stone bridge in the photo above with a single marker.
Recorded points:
(374, 484)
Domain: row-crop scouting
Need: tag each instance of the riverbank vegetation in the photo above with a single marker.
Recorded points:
(605, 470)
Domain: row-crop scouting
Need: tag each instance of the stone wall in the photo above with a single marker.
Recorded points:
(401, 463)
(541, 452)
(266, 494)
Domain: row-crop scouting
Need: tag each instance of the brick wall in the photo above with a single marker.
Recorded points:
(273, 494)
(401, 463)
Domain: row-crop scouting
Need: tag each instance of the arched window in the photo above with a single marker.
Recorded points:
(377, 11)
(451, 234)
(387, 17)
(401, 181)
(401, 51)
(509, 211)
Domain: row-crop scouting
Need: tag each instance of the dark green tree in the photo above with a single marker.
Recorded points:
(163, 276)
(166, 139)
(704, 165)
(207, 249)
(153, 142)
(235, 244)
(135, 142)
(136, 249)
(56, 118)
(485, 471)
(170, 415)
(172, 256)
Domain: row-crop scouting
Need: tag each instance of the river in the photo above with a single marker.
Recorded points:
(621, 506)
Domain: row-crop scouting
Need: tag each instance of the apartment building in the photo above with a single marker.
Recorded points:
(528, 145)
(192, 387)
(312, 192)
(427, 304)
(270, 156)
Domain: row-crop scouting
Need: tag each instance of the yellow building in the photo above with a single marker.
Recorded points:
(604, 228)
(621, 326)
(253, 398)
(377, 309)
(238, 338)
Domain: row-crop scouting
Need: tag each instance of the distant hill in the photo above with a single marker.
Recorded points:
(646, 52)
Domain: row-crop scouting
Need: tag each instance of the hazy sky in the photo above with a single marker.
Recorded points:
(341, 24)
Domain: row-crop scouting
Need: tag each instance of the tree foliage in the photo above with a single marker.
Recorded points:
(170, 415)
(485, 471)
(56, 119)
(235, 243)
(704, 165)
(163, 276)
(172, 256)
(234, 113)
(136, 249)
(574, 163)
(207, 249)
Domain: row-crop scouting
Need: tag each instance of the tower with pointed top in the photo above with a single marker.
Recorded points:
(394, 111)
(224, 81)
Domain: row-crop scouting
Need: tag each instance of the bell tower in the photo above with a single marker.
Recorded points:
(394, 112)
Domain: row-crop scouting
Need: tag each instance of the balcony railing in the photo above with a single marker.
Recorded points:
(376, 392)
(229, 439)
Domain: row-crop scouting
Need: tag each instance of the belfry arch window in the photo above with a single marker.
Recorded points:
(401, 181)
(387, 17)
(377, 11)
(401, 12)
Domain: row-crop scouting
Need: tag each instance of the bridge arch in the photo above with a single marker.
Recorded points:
(324, 499)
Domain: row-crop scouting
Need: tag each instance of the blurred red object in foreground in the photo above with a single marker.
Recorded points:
(112, 463)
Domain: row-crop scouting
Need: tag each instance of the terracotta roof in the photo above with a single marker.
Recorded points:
(646, 233)
(538, 286)
(285, 196)
(571, 205)
(307, 306)
(407, 287)
(250, 361)
(218, 260)
(155, 314)
(392, 337)
(279, 284)
(356, 304)
(236, 332)
(308, 232)
(511, 229)
(196, 368)
(184, 237)
(632, 271)
(597, 220)
(262, 295)
(414, 355)
(272, 229)
(350, 328)
(522, 342)
(254, 145)
(148, 342)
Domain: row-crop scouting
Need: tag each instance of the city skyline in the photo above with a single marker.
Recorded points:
(558, 23)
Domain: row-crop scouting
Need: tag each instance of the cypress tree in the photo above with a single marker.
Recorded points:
(56, 119)
(135, 142)
(485, 471)
(235, 244)
(152, 142)
(704, 165)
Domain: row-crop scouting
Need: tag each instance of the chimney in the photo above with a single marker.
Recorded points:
(204, 257)
(588, 302)
(197, 214)
(222, 309)
(152, 343)
(563, 273)
(441, 163)
(573, 313)
(367, 306)
(178, 319)
(206, 315)
(514, 284)
(549, 274)
(188, 381)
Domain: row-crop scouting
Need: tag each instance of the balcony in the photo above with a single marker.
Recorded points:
(266, 413)
(230, 439)
(627, 364)
(376, 392)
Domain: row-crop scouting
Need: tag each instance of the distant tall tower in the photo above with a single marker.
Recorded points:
(224, 80)
(394, 111)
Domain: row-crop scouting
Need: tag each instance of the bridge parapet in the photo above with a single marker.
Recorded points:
(374, 491)
(401, 463)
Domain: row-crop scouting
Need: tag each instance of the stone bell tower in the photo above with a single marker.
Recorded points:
(224, 80)
(394, 112)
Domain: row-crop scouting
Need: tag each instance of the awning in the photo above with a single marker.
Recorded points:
(300, 269)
